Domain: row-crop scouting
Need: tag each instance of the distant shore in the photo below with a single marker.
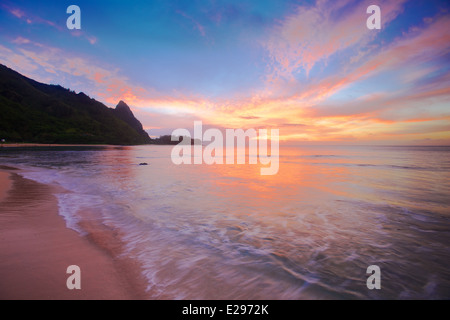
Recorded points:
(155, 142)
(36, 248)
(25, 145)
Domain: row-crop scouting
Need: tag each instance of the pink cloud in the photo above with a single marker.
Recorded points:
(30, 18)
(20, 40)
(33, 19)
(409, 55)
(104, 82)
(314, 33)
(301, 109)
(17, 61)
(197, 25)
(17, 12)
(92, 40)
(79, 33)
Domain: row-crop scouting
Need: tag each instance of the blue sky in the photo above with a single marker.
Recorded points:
(248, 63)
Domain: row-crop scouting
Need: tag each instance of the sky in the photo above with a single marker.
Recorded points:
(311, 69)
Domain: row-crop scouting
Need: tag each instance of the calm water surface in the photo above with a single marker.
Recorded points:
(226, 232)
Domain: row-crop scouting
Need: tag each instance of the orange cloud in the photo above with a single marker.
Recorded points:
(301, 110)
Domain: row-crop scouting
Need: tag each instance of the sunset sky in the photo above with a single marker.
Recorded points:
(312, 69)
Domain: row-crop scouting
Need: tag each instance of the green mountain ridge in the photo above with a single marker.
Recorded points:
(40, 113)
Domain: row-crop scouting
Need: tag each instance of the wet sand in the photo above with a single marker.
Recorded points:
(36, 248)
(5, 184)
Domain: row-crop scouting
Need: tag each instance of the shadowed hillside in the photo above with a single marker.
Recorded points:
(35, 112)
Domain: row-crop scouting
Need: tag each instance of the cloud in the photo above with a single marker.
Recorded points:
(328, 78)
(92, 40)
(82, 34)
(200, 28)
(30, 18)
(17, 12)
(414, 62)
(37, 60)
(20, 40)
(17, 61)
(34, 19)
(314, 33)
(249, 117)
(104, 82)
(414, 58)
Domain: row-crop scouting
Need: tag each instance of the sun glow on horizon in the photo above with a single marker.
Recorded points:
(312, 70)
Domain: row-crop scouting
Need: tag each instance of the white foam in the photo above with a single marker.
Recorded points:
(70, 200)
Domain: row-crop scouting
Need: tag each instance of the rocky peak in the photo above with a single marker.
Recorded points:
(123, 108)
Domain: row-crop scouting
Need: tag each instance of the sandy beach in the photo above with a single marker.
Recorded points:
(36, 248)
(5, 184)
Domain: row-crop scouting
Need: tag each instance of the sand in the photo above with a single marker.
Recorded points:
(5, 184)
(36, 248)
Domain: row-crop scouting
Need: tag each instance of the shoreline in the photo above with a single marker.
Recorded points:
(36, 248)
(53, 145)
(30, 145)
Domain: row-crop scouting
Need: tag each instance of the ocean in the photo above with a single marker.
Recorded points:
(228, 232)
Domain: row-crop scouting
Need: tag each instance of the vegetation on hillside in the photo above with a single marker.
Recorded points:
(34, 112)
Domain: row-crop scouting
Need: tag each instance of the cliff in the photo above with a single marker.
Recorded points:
(35, 112)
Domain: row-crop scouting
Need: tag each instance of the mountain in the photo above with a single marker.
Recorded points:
(124, 113)
(35, 112)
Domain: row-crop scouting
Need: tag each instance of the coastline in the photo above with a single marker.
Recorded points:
(29, 145)
(36, 248)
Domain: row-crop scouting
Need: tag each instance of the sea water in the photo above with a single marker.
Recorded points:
(227, 232)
